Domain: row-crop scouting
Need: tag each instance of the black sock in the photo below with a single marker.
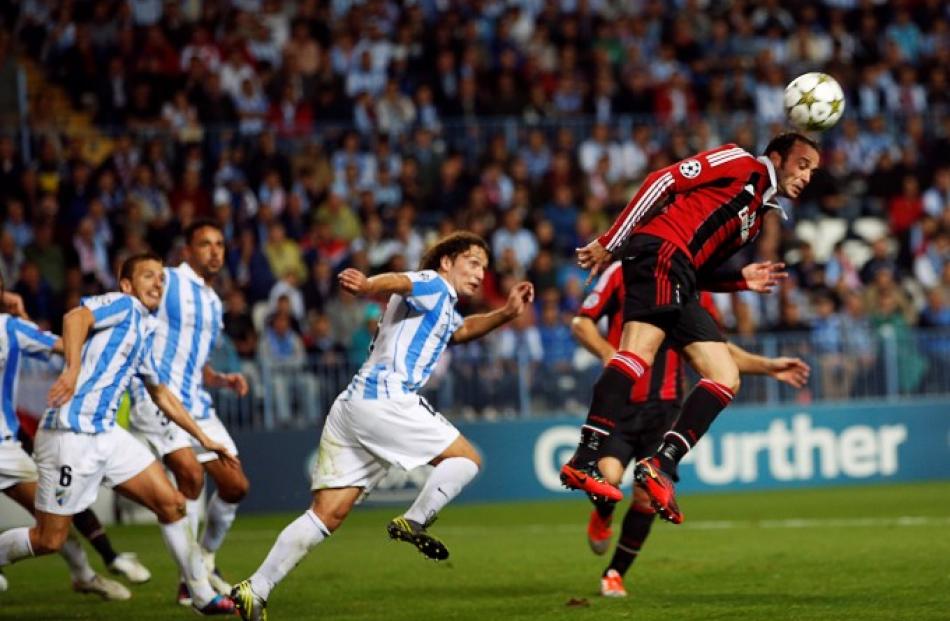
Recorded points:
(702, 406)
(611, 394)
(88, 524)
(636, 527)
(604, 508)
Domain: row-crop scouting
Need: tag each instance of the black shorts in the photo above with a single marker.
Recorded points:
(660, 289)
(640, 430)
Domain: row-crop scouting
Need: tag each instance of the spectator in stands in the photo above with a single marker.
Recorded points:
(290, 383)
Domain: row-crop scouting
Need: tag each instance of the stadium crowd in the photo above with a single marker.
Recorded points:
(323, 135)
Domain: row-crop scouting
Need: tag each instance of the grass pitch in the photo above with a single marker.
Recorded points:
(866, 553)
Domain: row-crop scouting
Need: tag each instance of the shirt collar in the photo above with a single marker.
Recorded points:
(448, 285)
(772, 190)
(190, 274)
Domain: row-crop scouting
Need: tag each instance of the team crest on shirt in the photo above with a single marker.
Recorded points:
(591, 301)
(691, 169)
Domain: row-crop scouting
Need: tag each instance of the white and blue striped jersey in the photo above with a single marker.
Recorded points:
(118, 348)
(190, 318)
(18, 338)
(411, 336)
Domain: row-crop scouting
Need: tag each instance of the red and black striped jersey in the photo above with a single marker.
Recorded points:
(664, 380)
(708, 205)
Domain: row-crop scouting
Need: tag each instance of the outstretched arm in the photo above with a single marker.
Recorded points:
(479, 325)
(355, 282)
(792, 371)
(168, 403)
(76, 326)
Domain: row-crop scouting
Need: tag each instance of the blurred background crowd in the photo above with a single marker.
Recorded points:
(327, 134)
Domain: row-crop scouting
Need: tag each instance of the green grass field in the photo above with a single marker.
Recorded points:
(852, 553)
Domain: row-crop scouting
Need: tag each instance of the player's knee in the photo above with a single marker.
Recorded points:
(170, 507)
(332, 517)
(729, 378)
(234, 489)
(49, 541)
(190, 480)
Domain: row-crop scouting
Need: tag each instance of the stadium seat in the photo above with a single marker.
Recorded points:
(869, 229)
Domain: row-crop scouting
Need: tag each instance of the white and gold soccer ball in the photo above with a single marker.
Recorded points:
(814, 101)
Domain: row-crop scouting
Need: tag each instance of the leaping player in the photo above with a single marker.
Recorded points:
(381, 420)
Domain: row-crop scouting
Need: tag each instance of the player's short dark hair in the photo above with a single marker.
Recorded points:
(128, 266)
(451, 246)
(783, 143)
(201, 223)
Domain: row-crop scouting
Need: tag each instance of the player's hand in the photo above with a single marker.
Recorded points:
(353, 281)
(519, 296)
(236, 382)
(63, 388)
(593, 257)
(763, 277)
(791, 371)
(13, 304)
(223, 454)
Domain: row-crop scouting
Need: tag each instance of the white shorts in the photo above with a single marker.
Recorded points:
(362, 438)
(160, 434)
(215, 429)
(73, 465)
(15, 465)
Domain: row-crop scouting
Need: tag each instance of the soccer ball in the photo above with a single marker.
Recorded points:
(814, 101)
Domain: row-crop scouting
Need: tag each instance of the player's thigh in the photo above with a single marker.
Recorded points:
(332, 505)
(189, 475)
(24, 494)
(460, 447)
(152, 489)
(712, 360)
(230, 480)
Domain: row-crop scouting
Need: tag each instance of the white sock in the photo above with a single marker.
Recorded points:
(15, 545)
(444, 484)
(218, 522)
(193, 515)
(76, 558)
(184, 549)
(291, 546)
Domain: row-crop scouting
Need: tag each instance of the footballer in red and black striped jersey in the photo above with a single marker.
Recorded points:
(673, 239)
(651, 410)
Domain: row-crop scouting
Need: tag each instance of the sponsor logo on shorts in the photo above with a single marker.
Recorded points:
(62, 495)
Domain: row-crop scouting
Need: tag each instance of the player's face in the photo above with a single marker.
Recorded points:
(795, 172)
(468, 270)
(148, 280)
(205, 253)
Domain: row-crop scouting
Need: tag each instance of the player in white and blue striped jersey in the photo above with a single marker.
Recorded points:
(190, 319)
(20, 339)
(107, 341)
(380, 420)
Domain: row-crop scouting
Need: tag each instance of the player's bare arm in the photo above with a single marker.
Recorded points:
(216, 379)
(356, 282)
(587, 334)
(791, 371)
(76, 326)
(169, 404)
(476, 326)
